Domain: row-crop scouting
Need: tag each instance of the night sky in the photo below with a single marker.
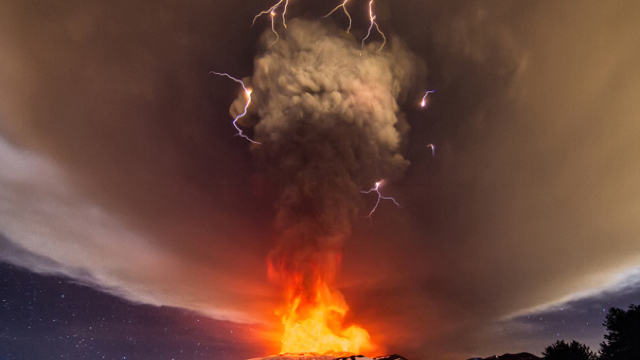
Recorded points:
(134, 224)
(49, 317)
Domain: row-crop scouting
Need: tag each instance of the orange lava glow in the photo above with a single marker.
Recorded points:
(314, 322)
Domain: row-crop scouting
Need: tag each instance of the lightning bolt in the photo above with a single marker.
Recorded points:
(246, 106)
(273, 28)
(272, 13)
(372, 18)
(376, 189)
(344, 7)
(433, 149)
(424, 98)
(284, 12)
(272, 10)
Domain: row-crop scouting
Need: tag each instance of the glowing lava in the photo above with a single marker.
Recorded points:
(313, 319)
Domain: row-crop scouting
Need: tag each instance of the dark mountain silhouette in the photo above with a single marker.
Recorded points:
(519, 356)
(390, 357)
(315, 356)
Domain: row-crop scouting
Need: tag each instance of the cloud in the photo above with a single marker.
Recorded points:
(123, 164)
(110, 176)
(49, 228)
(528, 199)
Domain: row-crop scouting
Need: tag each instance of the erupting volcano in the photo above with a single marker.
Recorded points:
(328, 127)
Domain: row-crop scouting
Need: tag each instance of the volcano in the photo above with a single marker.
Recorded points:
(519, 356)
(316, 356)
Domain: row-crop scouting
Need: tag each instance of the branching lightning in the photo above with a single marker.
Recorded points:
(376, 189)
(372, 19)
(272, 13)
(344, 7)
(424, 98)
(247, 91)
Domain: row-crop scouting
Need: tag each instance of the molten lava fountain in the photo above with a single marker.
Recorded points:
(313, 318)
(328, 126)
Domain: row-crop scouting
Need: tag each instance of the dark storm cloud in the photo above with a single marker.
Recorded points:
(529, 198)
(532, 195)
(117, 163)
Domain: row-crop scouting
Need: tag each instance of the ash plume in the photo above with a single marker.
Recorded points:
(119, 165)
(330, 125)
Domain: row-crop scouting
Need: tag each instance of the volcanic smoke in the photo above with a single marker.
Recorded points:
(328, 128)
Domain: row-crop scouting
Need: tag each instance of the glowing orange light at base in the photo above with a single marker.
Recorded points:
(313, 321)
(317, 328)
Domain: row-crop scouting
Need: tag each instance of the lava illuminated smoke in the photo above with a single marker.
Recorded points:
(328, 118)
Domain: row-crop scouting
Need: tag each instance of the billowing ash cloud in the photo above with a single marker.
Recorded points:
(123, 170)
(330, 126)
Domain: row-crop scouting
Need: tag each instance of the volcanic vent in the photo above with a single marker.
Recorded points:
(315, 356)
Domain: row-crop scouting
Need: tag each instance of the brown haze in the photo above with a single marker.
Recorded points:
(118, 164)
